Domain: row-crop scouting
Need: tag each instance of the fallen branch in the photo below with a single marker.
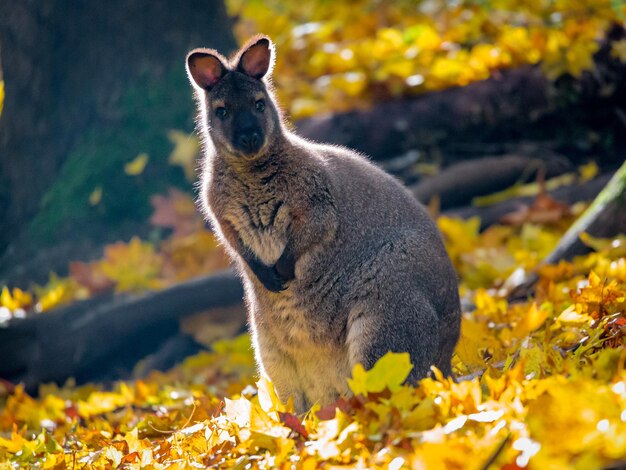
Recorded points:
(480, 112)
(103, 338)
(458, 184)
(605, 217)
(492, 214)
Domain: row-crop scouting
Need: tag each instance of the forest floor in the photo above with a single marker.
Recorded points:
(528, 371)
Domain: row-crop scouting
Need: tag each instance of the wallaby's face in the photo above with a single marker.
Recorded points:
(240, 113)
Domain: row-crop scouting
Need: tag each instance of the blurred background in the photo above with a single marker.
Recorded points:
(478, 106)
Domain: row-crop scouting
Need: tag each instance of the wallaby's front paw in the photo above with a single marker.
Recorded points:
(269, 277)
(286, 265)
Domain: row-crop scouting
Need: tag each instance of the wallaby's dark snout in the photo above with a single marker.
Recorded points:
(249, 142)
(248, 136)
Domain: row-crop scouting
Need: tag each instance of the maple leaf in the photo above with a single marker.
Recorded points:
(293, 422)
(15, 299)
(185, 153)
(177, 211)
(133, 266)
(390, 371)
(618, 50)
(95, 197)
(189, 256)
(137, 165)
(544, 210)
(58, 291)
(88, 275)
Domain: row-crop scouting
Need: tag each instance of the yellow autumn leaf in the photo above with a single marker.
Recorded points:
(588, 171)
(58, 291)
(612, 248)
(15, 299)
(459, 235)
(490, 306)
(96, 196)
(134, 266)
(476, 342)
(618, 50)
(15, 444)
(303, 107)
(427, 38)
(238, 411)
(352, 83)
(268, 399)
(101, 402)
(185, 152)
(193, 255)
(1, 96)
(390, 371)
(137, 165)
(532, 360)
(569, 316)
(579, 56)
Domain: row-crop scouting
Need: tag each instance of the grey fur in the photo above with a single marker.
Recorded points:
(371, 274)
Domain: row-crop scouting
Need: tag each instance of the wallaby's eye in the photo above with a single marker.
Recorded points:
(221, 112)
(260, 105)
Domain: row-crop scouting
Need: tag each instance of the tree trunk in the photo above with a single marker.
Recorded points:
(66, 64)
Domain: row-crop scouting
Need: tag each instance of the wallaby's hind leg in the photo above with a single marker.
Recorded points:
(406, 303)
(411, 327)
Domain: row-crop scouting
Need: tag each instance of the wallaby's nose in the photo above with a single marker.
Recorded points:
(249, 142)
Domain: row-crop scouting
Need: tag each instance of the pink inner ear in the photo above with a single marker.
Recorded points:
(256, 60)
(206, 70)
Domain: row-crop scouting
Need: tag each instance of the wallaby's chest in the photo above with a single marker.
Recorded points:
(259, 212)
(296, 330)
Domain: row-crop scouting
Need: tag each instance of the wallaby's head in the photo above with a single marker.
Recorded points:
(236, 105)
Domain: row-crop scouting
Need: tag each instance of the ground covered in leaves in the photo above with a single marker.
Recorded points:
(542, 385)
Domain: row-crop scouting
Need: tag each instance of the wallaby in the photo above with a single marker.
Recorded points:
(340, 263)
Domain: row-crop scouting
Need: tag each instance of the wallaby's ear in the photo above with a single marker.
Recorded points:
(205, 67)
(256, 58)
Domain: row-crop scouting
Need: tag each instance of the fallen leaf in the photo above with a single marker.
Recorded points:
(389, 372)
(293, 422)
(133, 266)
(185, 152)
(88, 275)
(176, 211)
(544, 210)
(137, 165)
(96, 196)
